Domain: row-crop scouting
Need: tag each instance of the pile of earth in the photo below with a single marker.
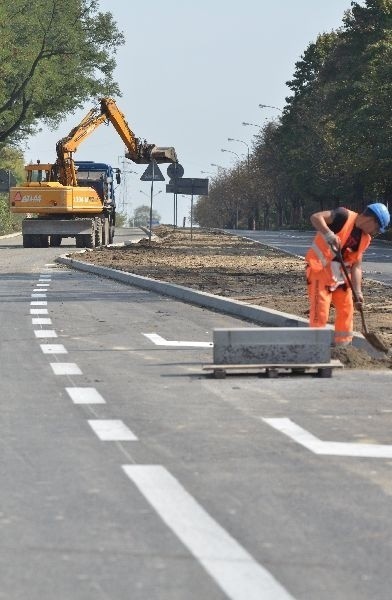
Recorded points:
(237, 268)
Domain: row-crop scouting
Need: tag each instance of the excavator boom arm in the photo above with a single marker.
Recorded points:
(138, 151)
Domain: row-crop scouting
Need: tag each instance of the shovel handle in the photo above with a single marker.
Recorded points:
(350, 283)
(364, 326)
(347, 276)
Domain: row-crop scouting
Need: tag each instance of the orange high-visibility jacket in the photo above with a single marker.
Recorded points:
(320, 255)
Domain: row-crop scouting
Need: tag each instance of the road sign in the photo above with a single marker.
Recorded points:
(175, 171)
(152, 173)
(188, 186)
(7, 180)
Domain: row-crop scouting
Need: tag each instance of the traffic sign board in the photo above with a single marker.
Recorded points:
(188, 186)
(175, 171)
(152, 173)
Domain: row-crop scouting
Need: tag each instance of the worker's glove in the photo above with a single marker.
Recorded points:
(359, 301)
(332, 240)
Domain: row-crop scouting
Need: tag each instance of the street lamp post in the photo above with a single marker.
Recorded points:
(242, 142)
(270, 106)
(218, 166)
(252, 124)
(156, 194)
(231, 152)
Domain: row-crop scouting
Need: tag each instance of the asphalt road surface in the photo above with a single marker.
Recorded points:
(126, 473)
(377, 260)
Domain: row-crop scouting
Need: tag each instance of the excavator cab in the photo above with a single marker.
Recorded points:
(38, 173)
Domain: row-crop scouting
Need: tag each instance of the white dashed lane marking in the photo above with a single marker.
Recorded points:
(228, 563)
(53, 349)
(38, 311)
(86, 395)
(112, 430)
(39, 321)
(39, 303)
(65, 369)
(45, 333)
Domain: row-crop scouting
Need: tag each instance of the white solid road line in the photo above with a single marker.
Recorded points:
(86, 395)
(112, 430)
(45, 333)
(40, 321)
(228, 563)
(160, 341)
(314, 444)
(65, 368)
(53, 349)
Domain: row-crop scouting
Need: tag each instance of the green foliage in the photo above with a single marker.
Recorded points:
(54, 56)
(141, 216)
(121, 219)
(8, 221)
(11, 159)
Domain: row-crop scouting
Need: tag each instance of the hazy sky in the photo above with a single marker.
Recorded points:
(190, 73)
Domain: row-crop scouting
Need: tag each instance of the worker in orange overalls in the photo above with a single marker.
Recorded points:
(351, 233)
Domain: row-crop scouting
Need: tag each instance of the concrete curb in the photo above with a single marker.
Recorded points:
(219, 303)
(236, 308)
(10, 235)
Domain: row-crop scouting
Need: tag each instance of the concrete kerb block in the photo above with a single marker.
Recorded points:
(272, 345)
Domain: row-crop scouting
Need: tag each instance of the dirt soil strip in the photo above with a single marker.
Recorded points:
(240, 269)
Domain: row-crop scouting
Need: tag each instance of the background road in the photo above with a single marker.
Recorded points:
(127, 473)
(377, 260)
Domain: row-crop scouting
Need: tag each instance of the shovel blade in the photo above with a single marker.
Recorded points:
(375, 341)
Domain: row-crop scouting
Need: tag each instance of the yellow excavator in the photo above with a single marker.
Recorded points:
(76, 198)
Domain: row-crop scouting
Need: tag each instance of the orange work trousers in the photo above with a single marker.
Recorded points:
(320, 300)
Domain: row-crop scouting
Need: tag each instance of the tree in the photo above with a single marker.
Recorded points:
(141, 216)
(54, 56)
(11, 159)
(121, 219)
(357, 80)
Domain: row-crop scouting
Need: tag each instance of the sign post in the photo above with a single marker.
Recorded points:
(175, 171)
(189, 187)
(152, 173)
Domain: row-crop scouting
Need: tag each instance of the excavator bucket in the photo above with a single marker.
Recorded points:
(164, 154)
(147, 152)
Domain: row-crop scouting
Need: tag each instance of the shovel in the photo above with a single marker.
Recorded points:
(371, 337)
